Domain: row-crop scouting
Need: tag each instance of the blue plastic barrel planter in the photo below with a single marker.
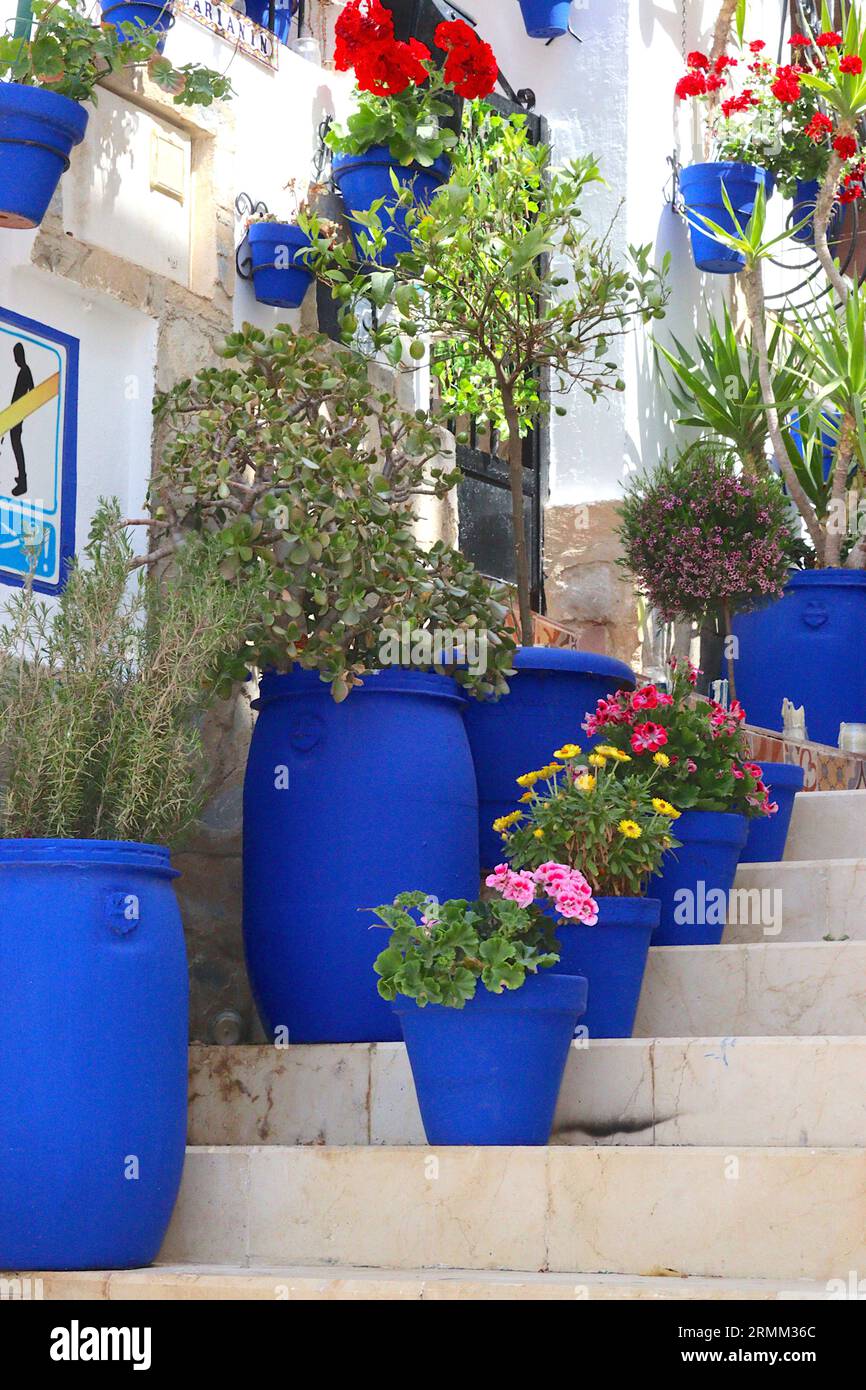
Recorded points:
(280, 274)
(694, 877)
(805, 198)
(365, 178)
(612, 955)
(490, 1073)
(344, 807)
(141, 14)
(93, 1053)
(765, 842)
(37, 132)
(807, 646)
(545, 19)
(550, 695)
(701, 187)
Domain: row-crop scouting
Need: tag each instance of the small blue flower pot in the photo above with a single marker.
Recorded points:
(490, 1073)
(280, 276)
(805, 198)
(38, 129)
(612, 955)
(545, 19)
(701, 187)
(364, 179)
(142, 14)
(765, 843)
(694, 877)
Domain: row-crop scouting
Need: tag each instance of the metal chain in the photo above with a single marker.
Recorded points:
(683, 38)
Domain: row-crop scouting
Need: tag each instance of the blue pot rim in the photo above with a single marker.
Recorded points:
(285, 685)
(541, 993)
(158, 5)
(781, 775)
(380, 155)
(718, 169)
(96, 854)
(827, 578)
(38, 104)
(711, 827)
(288, 231)
(565, 659)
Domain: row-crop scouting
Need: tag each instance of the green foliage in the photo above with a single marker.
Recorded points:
(593, 815)
(68, 54)
(412, 124)
(100, 696)
(306, 474)
(844, 93)
(440, 958)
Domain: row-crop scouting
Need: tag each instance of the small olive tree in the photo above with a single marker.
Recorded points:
(505, 274)
(306, 472)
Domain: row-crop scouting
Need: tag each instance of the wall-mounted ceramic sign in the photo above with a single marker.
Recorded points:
(38, 442)
(234, 27)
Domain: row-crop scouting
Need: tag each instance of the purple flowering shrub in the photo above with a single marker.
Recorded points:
(702, 537)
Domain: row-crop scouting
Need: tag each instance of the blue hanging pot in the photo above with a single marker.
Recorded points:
(141, 14)
(281, 276)
(364, 179)
(701, 188)
(545, 19)
(38, 129)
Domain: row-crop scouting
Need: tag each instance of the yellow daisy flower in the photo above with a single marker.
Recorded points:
(665, 808)
(528, 779)
(607, 750)
(661, 760)
(568, 750)
(505, 822)
(586, 782)
(630, 829)
(597, 760)
(551, 769)
(528, 796)
(539, 834)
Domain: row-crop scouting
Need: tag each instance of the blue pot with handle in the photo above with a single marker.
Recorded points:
(38, 129)
(490, 1073)
(807, 647)
(701, 189)
(93, 1053)
(281, 276)
(695, 879)
(765, 843)
(613, 956)
(141, 14)
(545, 19)
(365, 179)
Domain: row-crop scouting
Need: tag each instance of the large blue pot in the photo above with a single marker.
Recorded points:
(550, 696)
(490, 1073)
(141, 14)
(807, 646)
(612, 955)
(365, 178)
(37, 132)
(93, 1053)
(704, 865)
(765, 842)
(545, 19)
(701, 187)
(280, 274)
(344, 807)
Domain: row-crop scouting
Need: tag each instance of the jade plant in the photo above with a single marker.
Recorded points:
(504, 267)
(65, 52)
(306, 473)
(101, 694)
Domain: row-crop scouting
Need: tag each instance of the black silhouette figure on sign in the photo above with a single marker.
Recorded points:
(23, 384)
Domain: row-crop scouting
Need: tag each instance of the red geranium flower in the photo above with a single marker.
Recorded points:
(645, 698)
(387, 68)
(851, 63)
(786, 87)
(819, 126)
(453, 32)
(694, 84)
(648, 738)
(743, 102)
(472, 69)
(829, 39)
(845, 146)
(799, 41)
(757, 46)
(697, 59)
(362, 22)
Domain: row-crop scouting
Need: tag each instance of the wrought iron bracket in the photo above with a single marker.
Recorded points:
(245, 207)
(675, 201)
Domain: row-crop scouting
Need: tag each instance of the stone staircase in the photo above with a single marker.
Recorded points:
(718, 1154)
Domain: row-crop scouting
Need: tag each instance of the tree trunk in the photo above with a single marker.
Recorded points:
(515, 477)
(729, 632)
(824, 211)
(753, 288)
(841, 465)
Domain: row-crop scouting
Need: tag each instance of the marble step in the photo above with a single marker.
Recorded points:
(779, 1092)
(798, 900)
(797, 988)
(749, 1213)
(186, 1283)
(828, 825)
